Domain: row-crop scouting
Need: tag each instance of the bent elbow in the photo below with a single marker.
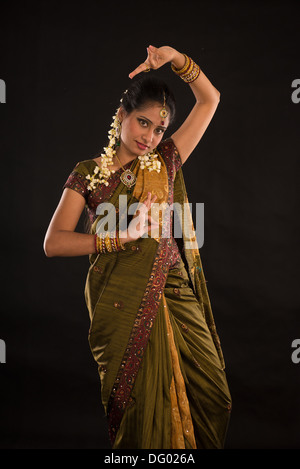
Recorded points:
(213, 100)
(48, 248)
(217, 96)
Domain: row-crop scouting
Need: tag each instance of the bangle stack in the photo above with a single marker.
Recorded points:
(189, 72)
(108, 242)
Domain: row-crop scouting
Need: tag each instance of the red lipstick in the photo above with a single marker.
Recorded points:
(141, 146)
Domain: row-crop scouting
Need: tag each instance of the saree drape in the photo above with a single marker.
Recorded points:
(152, 333)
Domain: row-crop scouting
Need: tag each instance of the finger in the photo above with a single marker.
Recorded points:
(147, 201)
(152, 221)
(152, 49)
(141, 68)
(151, 202)
(150, 197)
(142, 209)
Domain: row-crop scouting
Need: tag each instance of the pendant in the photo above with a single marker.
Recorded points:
(128, 178)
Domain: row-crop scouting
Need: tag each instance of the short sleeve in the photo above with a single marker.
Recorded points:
(77, 180)
(170, 153)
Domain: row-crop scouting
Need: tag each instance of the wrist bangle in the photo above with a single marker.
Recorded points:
(179, 71)
(189, 72)
(108, 242)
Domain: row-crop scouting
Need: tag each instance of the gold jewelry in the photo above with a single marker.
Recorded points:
(127, 177)
(108, 242)
(147, 69)
(163, 112)
(189, 72)
(182, 70)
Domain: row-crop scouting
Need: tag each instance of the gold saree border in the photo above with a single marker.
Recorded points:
(181, 419)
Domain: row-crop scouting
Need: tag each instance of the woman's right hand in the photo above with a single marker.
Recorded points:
(157, 57)
(141, 222)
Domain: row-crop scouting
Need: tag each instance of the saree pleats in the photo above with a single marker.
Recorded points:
(205, 380)
(175, 408)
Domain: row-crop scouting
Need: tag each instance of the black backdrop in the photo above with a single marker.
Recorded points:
(65, 65)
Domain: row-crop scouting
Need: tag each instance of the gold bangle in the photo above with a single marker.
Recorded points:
(189, 69)
(180, 71)
(112, 240)
(98, 244)
(189, 72)
(107, 242)
(193, 75)
(101, 243)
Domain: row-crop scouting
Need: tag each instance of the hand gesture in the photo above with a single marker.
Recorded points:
(156, 58)
(139, 224)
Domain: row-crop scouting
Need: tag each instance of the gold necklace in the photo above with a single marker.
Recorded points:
(127, 177)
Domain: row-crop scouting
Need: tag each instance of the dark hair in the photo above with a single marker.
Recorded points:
(146, 89)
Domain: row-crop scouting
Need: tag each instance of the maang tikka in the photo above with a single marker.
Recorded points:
(163, 112)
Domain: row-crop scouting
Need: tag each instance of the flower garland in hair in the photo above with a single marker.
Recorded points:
(106, 157)
(148, 161)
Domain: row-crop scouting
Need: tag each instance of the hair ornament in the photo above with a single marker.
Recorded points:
(163, 112)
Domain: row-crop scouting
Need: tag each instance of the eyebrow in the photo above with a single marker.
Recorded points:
(146, 118)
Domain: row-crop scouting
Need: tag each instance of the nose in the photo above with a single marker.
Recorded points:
(148, 135)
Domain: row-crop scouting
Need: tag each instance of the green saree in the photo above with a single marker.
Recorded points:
(153, 335)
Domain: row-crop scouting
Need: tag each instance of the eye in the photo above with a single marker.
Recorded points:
(160, 131)
(143, 122)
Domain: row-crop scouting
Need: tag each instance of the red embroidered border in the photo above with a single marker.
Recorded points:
(140, 334)
(122, 388)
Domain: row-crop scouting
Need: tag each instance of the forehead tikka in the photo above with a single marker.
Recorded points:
(163, 112)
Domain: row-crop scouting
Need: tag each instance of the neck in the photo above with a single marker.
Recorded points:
(124, 155)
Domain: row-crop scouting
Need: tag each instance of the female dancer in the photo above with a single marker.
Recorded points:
(152, 333)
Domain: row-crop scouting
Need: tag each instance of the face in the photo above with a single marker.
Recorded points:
(142, 129)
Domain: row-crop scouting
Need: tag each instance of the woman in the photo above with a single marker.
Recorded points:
(152, 331)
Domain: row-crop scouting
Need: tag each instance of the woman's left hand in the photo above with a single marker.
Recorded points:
(157, 57)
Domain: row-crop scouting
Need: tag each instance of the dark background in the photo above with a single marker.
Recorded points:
(65, 65)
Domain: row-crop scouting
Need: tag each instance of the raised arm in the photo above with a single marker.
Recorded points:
(189, 134)
(207, 98)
